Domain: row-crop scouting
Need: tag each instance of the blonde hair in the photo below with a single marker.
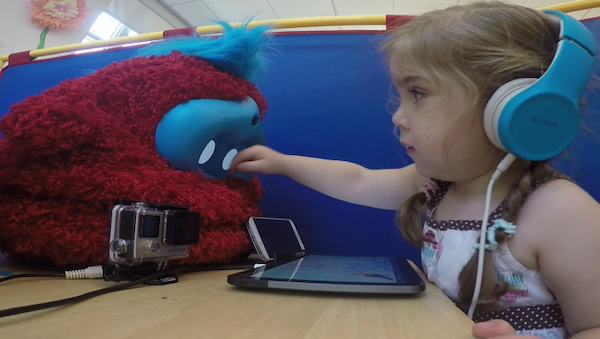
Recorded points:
(481, 46)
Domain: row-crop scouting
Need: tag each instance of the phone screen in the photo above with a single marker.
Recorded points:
(278, 236)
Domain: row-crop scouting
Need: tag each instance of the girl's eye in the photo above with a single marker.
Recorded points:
(417, 94)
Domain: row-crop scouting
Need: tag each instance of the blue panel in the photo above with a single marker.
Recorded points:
(328, 97)
(17, 82)
(581, 161)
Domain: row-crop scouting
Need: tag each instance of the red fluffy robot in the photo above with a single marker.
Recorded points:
(160, 127)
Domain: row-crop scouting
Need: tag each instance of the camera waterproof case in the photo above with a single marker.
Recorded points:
(143, 232)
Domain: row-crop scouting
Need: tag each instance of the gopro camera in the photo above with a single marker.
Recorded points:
(143, 232)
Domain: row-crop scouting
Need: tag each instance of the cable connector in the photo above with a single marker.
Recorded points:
(115, 272)
(504, 165)
(91, 272)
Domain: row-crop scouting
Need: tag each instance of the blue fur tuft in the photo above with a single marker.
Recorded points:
(237, 50)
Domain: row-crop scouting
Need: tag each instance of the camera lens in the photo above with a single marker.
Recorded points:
(183, 228)
(149, 226)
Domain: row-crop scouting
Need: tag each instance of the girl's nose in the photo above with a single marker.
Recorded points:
(399, 119)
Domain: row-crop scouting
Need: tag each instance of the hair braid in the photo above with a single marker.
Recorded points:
(519, 191)
(409, 218)
(491, 288)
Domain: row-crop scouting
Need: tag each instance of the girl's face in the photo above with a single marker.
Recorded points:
(444, 141)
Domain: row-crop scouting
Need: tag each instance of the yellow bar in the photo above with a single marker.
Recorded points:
(324, 21)
(573, 6)
(275, 24)
(92, 44)
(343, 20)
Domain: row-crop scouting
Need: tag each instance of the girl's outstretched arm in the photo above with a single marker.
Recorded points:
(385, 189)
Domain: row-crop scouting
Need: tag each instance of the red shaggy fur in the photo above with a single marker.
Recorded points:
(70, 151)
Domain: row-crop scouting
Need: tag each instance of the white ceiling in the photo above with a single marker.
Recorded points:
(187, 13)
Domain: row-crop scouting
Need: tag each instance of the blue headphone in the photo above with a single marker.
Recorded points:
(536, 119)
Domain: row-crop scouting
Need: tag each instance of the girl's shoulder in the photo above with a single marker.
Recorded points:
(553, 192)
(556, 199)
(558, 190)
(556, 212)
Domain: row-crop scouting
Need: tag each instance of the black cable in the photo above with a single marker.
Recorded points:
(86, 296)
(32, 275)
(120, 287)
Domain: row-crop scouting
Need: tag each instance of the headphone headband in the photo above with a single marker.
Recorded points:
(572, 29)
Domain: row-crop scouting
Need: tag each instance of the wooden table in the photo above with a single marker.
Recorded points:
(203, 305)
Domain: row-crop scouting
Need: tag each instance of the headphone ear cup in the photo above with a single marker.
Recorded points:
(495, 107)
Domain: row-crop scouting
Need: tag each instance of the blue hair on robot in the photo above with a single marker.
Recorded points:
(237, 50)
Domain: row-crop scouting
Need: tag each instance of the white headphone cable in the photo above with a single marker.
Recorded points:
(502, 166)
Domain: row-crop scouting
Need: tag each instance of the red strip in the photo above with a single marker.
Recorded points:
(394, 21)
(188, 31)
(19, 58)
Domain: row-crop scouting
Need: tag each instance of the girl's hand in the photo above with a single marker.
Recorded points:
(497, 329)
(257, 159)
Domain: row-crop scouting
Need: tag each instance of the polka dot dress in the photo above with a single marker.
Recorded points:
(529, 305)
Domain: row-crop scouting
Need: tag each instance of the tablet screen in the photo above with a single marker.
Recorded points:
(374, 270)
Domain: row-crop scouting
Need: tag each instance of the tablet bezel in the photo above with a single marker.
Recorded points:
(253, 279)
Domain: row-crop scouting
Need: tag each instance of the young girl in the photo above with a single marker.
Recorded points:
(541, 275)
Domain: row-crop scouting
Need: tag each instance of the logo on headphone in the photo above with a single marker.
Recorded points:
(544, 122)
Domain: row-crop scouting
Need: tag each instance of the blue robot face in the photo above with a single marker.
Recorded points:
(206, 134)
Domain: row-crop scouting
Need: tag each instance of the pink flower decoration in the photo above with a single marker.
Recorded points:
(429, 189)
(58, 14)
